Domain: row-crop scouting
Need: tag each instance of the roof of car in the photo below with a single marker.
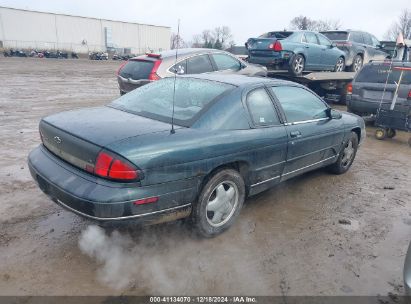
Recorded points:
(237, 80)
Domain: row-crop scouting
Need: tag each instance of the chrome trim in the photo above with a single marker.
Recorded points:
(305, 167)
(305, 121)
(265, 181)
(119, 218)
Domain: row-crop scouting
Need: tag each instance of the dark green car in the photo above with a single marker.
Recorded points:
(232, 137)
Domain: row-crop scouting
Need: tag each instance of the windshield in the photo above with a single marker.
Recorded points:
(379, 73)
(155, 100)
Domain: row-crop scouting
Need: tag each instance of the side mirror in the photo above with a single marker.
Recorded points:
(333, 114)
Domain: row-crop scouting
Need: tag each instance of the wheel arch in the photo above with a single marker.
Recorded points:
(357, 130)
(240, 166)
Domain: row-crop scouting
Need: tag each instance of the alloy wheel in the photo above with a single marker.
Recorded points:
(357, 64)
(348, 154)
(222, 203)
(339, 67)
(298, 65)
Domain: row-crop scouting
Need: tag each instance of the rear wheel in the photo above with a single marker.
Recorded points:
(346, 156)
(391, 133)
(219, 203)
(296, 65)
(357, 63)
(340, 65)
(380, 134)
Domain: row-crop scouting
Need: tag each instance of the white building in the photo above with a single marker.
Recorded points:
(39, 30)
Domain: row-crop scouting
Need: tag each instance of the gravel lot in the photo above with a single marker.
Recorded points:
(287, 241)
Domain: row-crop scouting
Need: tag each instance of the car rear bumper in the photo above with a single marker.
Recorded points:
(362, 107)
(269, 61)
(102, 200)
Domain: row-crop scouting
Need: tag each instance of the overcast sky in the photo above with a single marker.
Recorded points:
(245, 18)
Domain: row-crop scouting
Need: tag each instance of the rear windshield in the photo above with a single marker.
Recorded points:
(380, 74)
(336, 35)
(278, 35)
(137, 69)
(155, 100)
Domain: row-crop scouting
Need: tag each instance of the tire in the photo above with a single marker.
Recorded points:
(122, 93)
(380, 134)
(391, 133)
(296, 65)
(208, 222)
(357, 63)
(346, 156)
(340, 65)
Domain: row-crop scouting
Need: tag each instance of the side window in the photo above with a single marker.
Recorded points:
(367, 39)
(356, 37)
(226, 62)
(199, 64)
(180, 68)
(261, 108)
(323, 40)
(295, 37)
(299, 104)
(304, 39)
(311, 38)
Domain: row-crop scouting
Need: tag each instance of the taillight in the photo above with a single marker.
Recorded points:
(345, 43)
(153, 75)
(121, 66)
(409, 95)
(349, 88)
(276, 46)
(109, 165)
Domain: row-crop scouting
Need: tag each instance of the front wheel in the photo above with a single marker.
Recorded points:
(296, 65)
(340, 65)
(219, 203)
(346, 156)
(380, 134)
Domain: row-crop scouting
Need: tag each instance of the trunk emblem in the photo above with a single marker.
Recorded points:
(57, 139)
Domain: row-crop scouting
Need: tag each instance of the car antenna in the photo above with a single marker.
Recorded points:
(172, 131)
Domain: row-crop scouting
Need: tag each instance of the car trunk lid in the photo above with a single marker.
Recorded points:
(137, 72)
(78, 136)
(261, 46)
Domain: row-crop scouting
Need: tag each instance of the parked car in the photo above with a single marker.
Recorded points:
(359, 47)
(143, 69)
(369, 89)
(233, 136)
(407, 272)
(296, 51)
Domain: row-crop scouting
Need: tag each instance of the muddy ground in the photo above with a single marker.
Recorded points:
(287, 241)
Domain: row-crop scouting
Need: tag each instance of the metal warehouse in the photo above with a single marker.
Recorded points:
(24, 29)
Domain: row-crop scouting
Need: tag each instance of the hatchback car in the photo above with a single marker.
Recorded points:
(296, 51)
(146, 68)
(359, 47)
(375, 85)
(230, 137)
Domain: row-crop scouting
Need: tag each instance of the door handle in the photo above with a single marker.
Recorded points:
(295, 134)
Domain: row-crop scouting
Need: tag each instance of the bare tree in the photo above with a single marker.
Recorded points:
(196, 41)
(220, 38)
(305, 23)
(402, 25)
(176, 41)
(302, 23)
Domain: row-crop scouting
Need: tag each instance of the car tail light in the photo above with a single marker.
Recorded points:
(121, 66)
(276, 46)
(111, 166)
(409, 95)
(153, 75)
(349, 88)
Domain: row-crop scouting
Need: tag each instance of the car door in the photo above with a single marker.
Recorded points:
(379, 54)
(314, 138)
(268, 160)
(313, 51)
(329, 55)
